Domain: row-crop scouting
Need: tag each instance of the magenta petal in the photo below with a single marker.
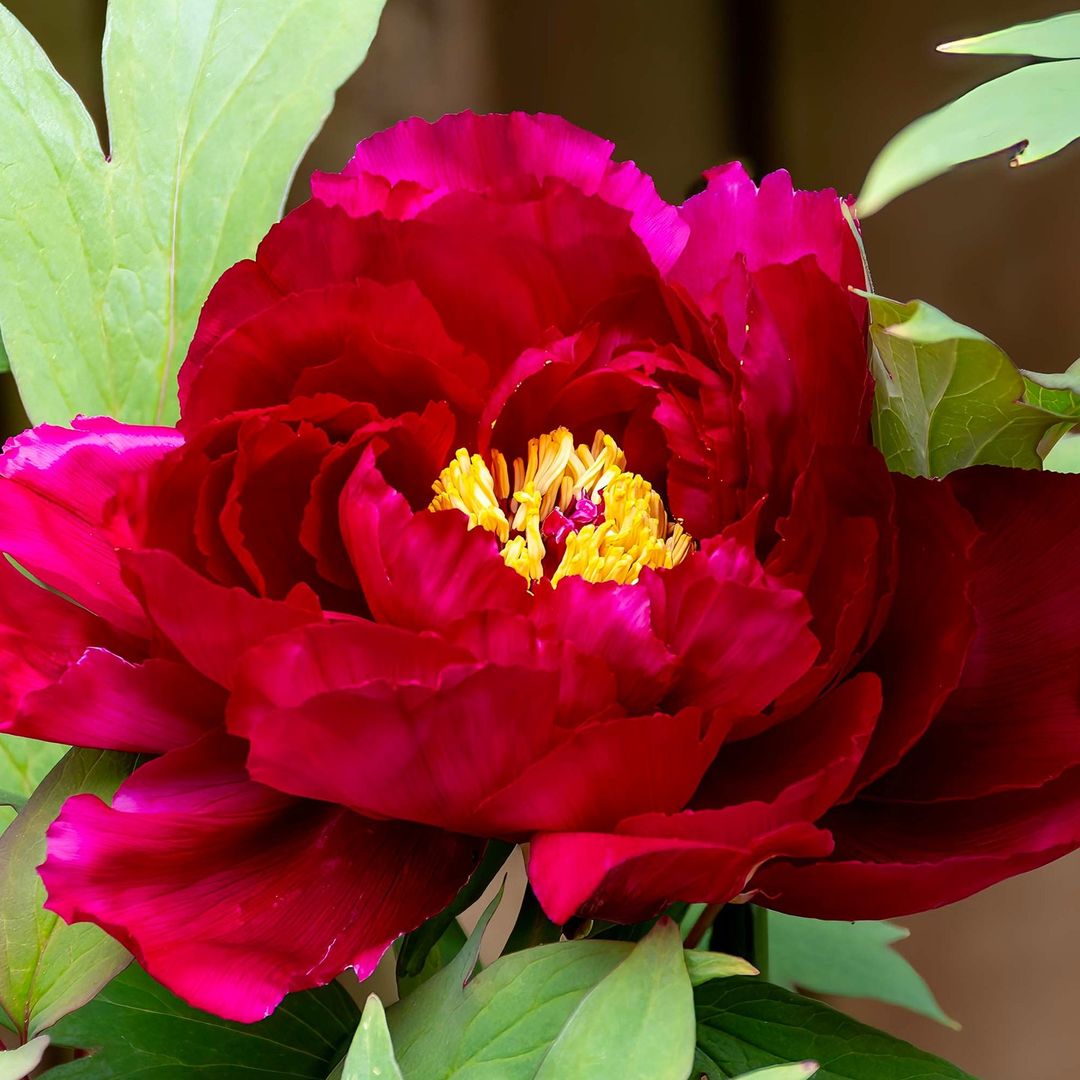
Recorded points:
(234, 895)
(41, 635)
(57, 490)
(104, 701)
(230, 620)
(403, 170)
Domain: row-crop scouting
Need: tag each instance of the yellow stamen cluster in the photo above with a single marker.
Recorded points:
(512, 501)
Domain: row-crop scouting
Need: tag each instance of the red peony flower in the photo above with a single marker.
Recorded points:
(509, 501)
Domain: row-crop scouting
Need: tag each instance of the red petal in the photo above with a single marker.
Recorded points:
(1014, 719)
(211, 626)
(234, 895)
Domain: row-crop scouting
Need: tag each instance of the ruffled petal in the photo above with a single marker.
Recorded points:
(105, 701)
(733, 219)
(1014, 719)
(407, 168)
(229, 622)
(421, 570)
(234, 895)
(58, 488)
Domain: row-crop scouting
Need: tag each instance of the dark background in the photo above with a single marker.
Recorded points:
(817, 87)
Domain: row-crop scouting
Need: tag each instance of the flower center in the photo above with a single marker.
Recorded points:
(571, 511)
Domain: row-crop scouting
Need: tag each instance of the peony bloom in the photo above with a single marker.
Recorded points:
(510, 501)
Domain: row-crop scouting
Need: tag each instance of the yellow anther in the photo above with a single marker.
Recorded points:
(633, 534)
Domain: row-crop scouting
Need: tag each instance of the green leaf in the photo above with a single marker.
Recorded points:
(1057, 394)
(801, 1070)
(371, 1055)
(637, 1023)
(745, 1024)
(503, 1021)
(852, 959)
(704, 966)
(438, 956)
(17, 1063)
(1033, 111)
(946, 397)
(48, 968)
(105, 263)
(140, 1031)
(24, 763)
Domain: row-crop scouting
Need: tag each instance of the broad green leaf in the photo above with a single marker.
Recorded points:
(371, 1057)
(1055, 394)
(20, 1062)
(1033, 112)
(138, 1030)
(24, 763)
(502, 1021)
(105, 263)
(48, 968)
(852, 959)
(638, 1023)
(946, 397)
(801, 1070)
(746, 1024)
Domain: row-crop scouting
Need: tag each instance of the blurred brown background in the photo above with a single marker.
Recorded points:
(816, 86)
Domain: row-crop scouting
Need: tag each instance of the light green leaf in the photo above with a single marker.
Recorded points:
(138, 1030)
(801, 1070)
(1065, 455)
(852, 959)
(1033, 111)
(20, 1062)
(371, 1056)
(638, 1023)
(1056, 38)
(503, 1021)
(104, 264)
(1057, 394)
(702, 966)
(745, 1024)
(24, 763)
(48, 968)
(947, 397)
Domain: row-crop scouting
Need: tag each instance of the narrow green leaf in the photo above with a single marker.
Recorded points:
(1056, 38)
(138, 1030)
(24, 763)
(105, 263)
(703, 966)
(746, 1024)
(20, 1062)
(437, 957)
(1033, 112)
(851, 959)
(371, 1057)
(801, 1070)
(638, 1022)
(48, 968)
(947, 397)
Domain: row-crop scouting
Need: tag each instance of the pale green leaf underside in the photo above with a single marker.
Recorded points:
(1065, 455)
(946, 397)
(800, 1070)
(371, 1057)
(48, 968)
(105, 264)
(850, 959)
(20, 1062)
(1056, 38)
(1035, 109)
